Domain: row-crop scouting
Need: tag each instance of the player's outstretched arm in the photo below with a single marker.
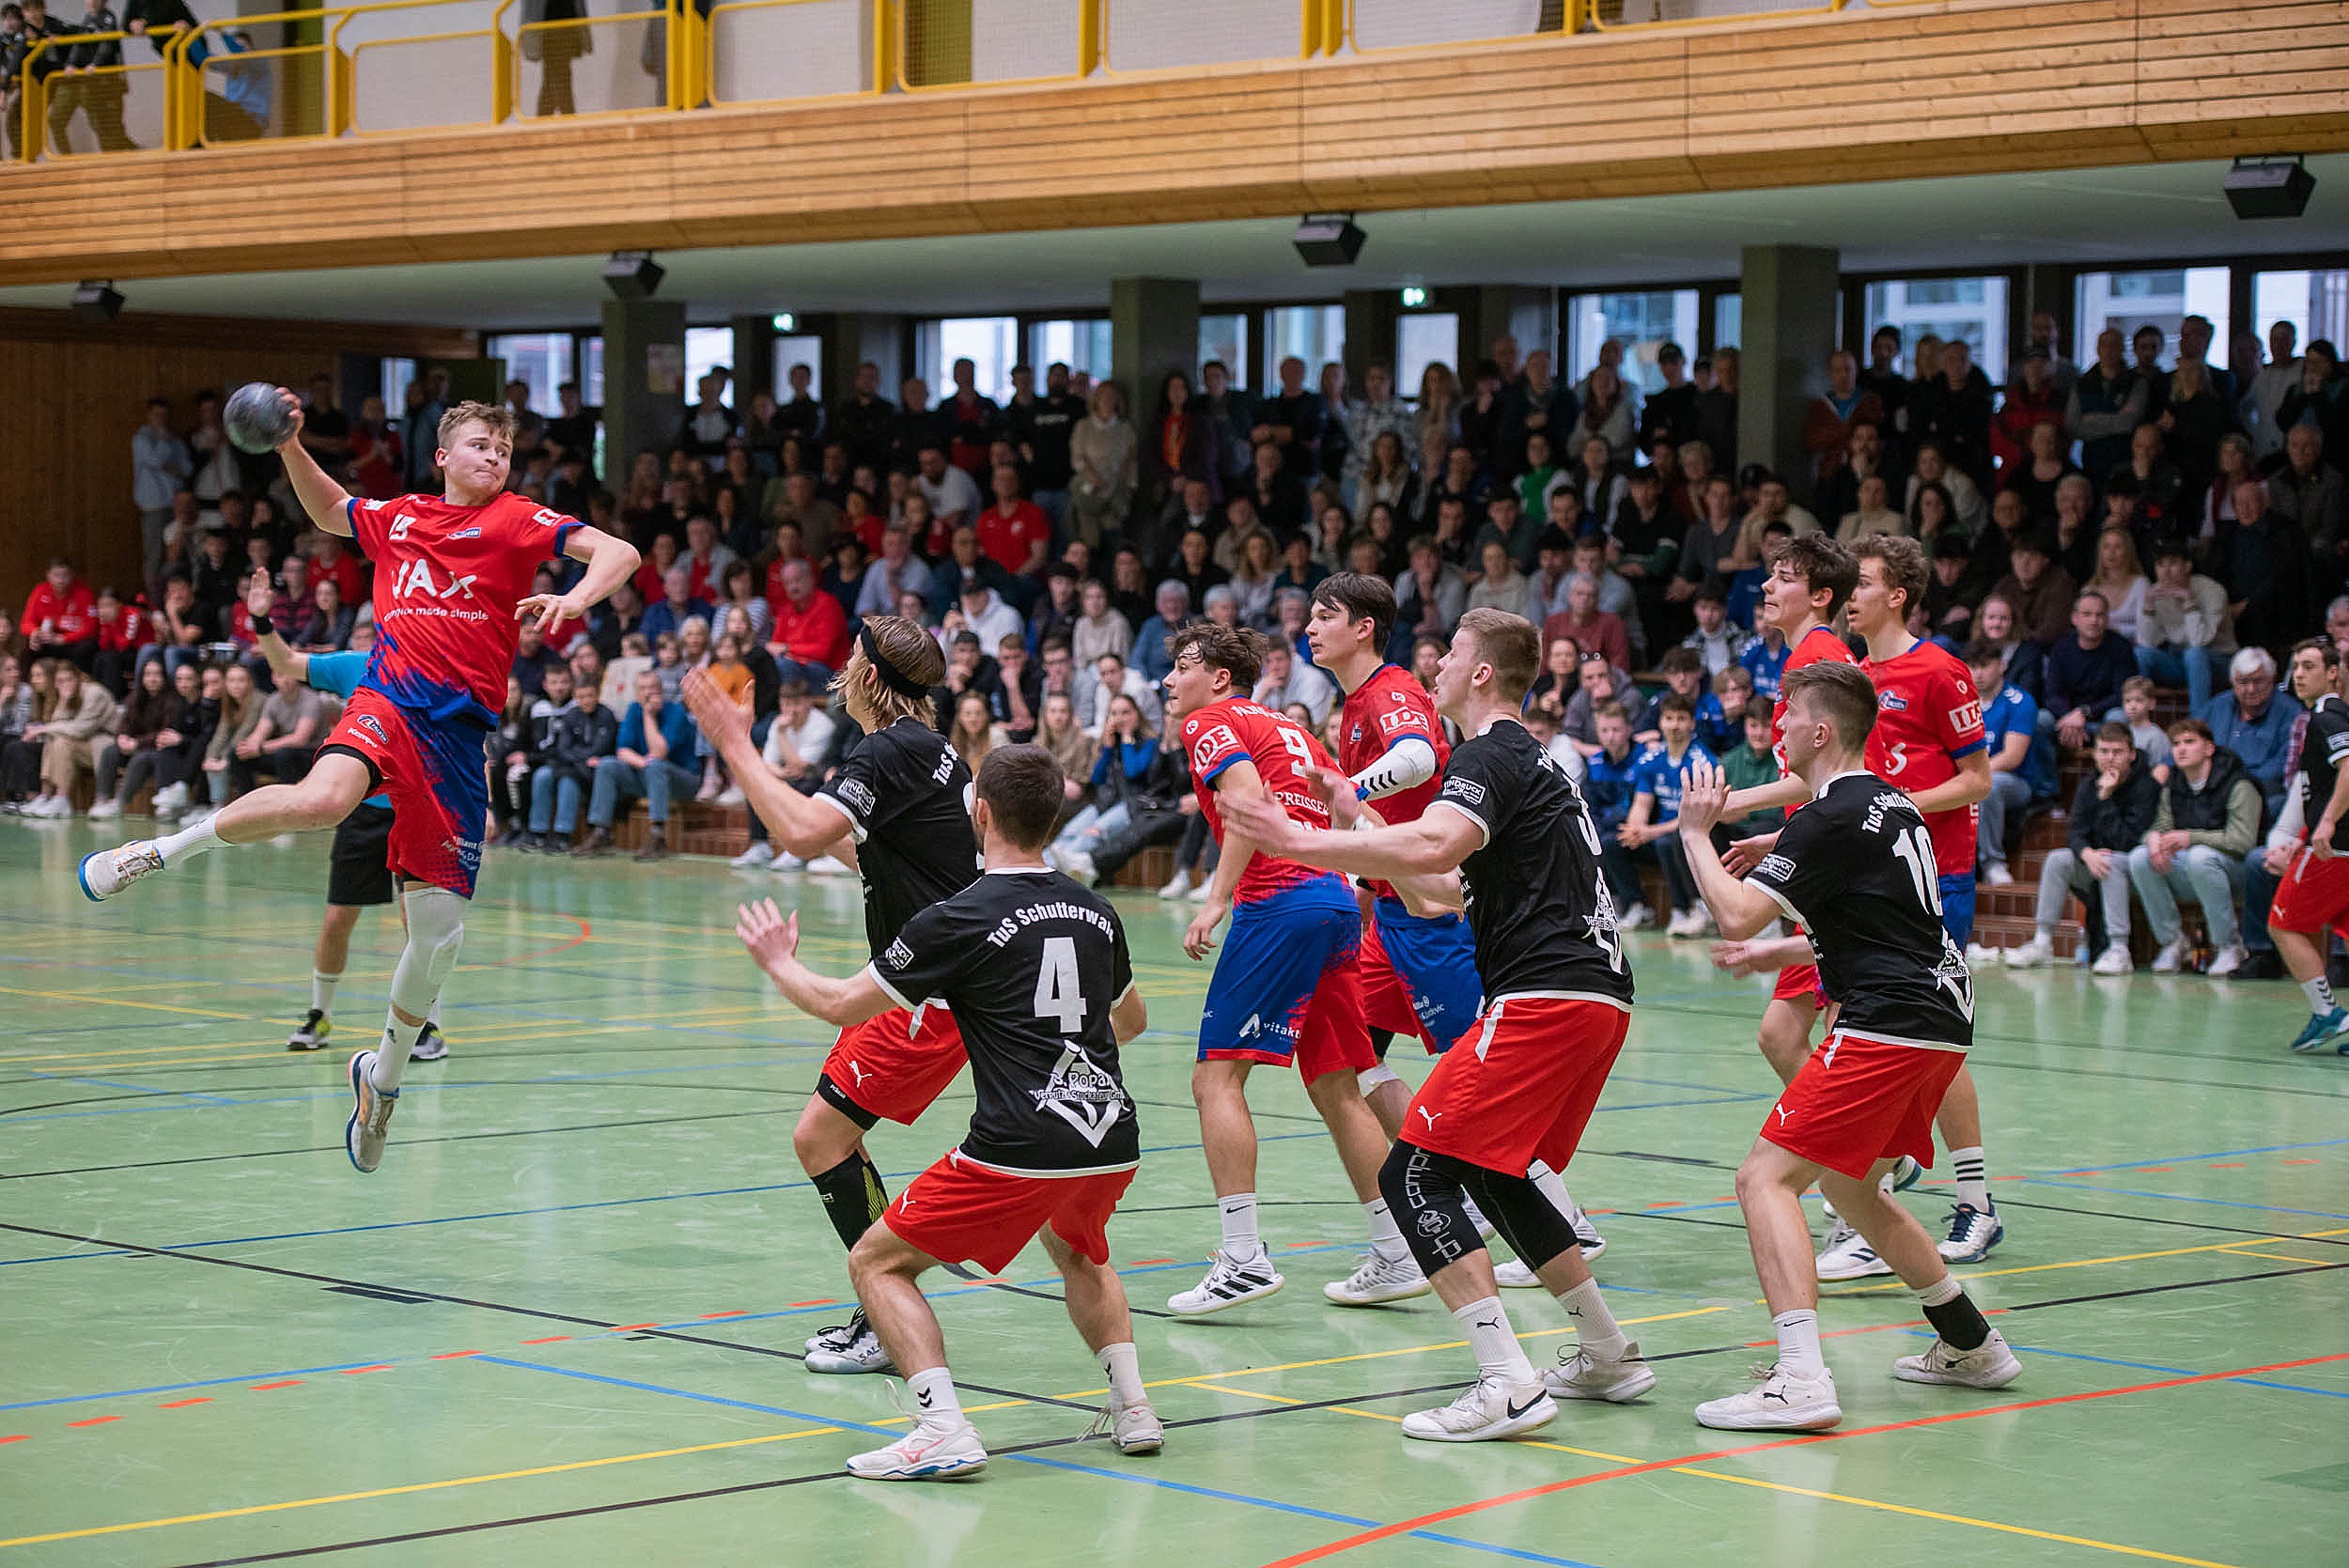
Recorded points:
(328, 502)
(610, 561)
(1782, 793)
(1741, 911)
(799, 823)
(1433, 846)
(773, 939)
(1971, 783)
(285, 664)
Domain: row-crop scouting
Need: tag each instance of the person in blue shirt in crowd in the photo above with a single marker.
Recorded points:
(659, 759)
(2022, 759)
(1684, 677)
(1608, 790)
(359, 873)
(1765, 660)
(1653, 829)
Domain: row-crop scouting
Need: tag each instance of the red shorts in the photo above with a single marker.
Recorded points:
(1799, 983)
(2312, 895)
(433, 773)
(894, 1065)
(961, 1211)
(1857, 1100)
(1521, 1085)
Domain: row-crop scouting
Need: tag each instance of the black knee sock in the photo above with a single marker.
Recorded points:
(1959, 1322)
(854, 1197)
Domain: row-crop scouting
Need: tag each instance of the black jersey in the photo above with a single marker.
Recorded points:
(1030, 963)
(2323, 751)
(907, 797)
(1855, 868)
(1542, 919)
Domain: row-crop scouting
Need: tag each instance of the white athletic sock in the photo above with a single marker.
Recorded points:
(1386, 1237)
(1240, 1242)
(323, 990)
(1799, 1343)
(390, 1054)
(1498, 1353)
(1972, 1172)
(188, 840)
(1942, 1291)
(2319, 991)
(1123, 1367)
(934, 1400)
(1602, 1338)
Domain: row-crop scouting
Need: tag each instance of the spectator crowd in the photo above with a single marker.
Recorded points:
(2147, 517)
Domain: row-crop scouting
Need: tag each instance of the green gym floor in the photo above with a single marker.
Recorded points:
(562, 1322)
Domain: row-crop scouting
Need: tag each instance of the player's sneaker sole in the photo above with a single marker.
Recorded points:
(1991, 1364)
(429, 1047)
(1378, 1280)
(1581, 1377)
(371, 1115)
(104, 872)
(1484, 1414)
(1781, 1403)
(920, 1455)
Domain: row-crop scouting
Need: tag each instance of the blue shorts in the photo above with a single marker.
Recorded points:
(1418, 976)
(1287, 985)
(432, 771)
(1957, 909)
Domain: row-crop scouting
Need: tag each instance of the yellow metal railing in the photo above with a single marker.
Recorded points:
(308, 84)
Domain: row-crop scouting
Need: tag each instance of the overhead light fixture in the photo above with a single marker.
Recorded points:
(1329, 240)
(1414, 297)
(2276, 187)
(785, 321)
(96, 302)
(632, 274)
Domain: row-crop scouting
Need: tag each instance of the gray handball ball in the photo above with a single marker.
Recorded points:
(257, 417)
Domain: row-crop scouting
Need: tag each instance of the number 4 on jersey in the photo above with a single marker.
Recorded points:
(1059, 996)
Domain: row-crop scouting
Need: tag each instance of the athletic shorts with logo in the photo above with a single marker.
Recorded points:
(2312, 895)
(1288, 986)
(893, 1066)
(1800, 982)
(1521, 1084)
(431, 770)
(1859, 1100)
(961, 1211)
(1419, 975)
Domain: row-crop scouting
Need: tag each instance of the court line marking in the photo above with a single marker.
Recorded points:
(251, 1509)
(2091, 1263)
(116, 1002)
(1315, 1554)
(2185, 1198)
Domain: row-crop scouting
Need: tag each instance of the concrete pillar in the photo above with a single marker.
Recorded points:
(850, 338)
(643, 379)
(1371, 315)
(754, 364)
(1528, 315)
(2046, 287)
(1790, 328)
(1154, 329)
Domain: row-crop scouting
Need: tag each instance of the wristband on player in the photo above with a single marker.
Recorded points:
(262, 625)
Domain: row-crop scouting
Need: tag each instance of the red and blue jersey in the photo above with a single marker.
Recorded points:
(1928, 716)
(1818, 646)
(1237, 730)
(446, 581)
(1385, 711)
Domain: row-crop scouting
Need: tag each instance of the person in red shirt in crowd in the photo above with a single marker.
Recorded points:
(1593, 629)
(971, 420)
(122, 630)
(654, 572)
(2031, 399)
(811, 630)
(1014, 531)
(61, 615)
(332, 561)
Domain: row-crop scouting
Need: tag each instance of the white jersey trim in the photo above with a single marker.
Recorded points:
(956, 1157)
(1877, 1037)
(1778, 898)
(856, 829)
(1483, 829)
(1493, 1005)
(873, 968)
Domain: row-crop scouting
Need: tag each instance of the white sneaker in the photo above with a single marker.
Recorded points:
(1077, 864)
(1582, 1375)
(1177, 887)
(1782, 1402)
(1377, 1279)
(2227, 960)
(2032, 954)
(107, 872)
(2114, 959)
(1489, 1409)
(429, 1045)
(1989, 1365)
(827, 866)
(1586, 1234)
(1131, 1428)
(1227, 1284)
(788, 862)
(1848, 1256)
(1637, 918)
(924, 1453)
(1972, 1233)
(1979, 958)
(1515, 1274)
(104, 811)
(2171, 955)
(1683, 923)
(730, 796)
(171, 800)
(1696, 924)
(1198, 894)
(756, 857)
(370, 1114)
(1996, 875)
(859, 1351)
(50, 807)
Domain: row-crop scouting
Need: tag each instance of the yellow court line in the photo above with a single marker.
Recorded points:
(418, 1486)
(1953, 1518)
(143, 1006)
(2089, 1263)
(2279, 1257)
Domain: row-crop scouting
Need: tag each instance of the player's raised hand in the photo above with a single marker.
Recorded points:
(1199, 938)
(1336, 791)
(258, 597)
(769, 934)
(722, 718)
(1744, 853)
(1702, 798)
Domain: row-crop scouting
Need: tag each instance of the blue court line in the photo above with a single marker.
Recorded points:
(2182, 1160)
(1039, 1460)
(2149, 1366)
(2182, 1198)
(175, 1388)
(141, 1088)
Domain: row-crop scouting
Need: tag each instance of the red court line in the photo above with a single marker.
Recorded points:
(353, 1372)
(2303, 1162)
(183, 1403)
(2230, 1165)
(289, 1383)
(819, 1301)
(634, 1327)
(454, 1354)
(550, 1339)
(586, 932)
(712, 1317)
(17, 1437)
(95, 1421)
(1404, 1527)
